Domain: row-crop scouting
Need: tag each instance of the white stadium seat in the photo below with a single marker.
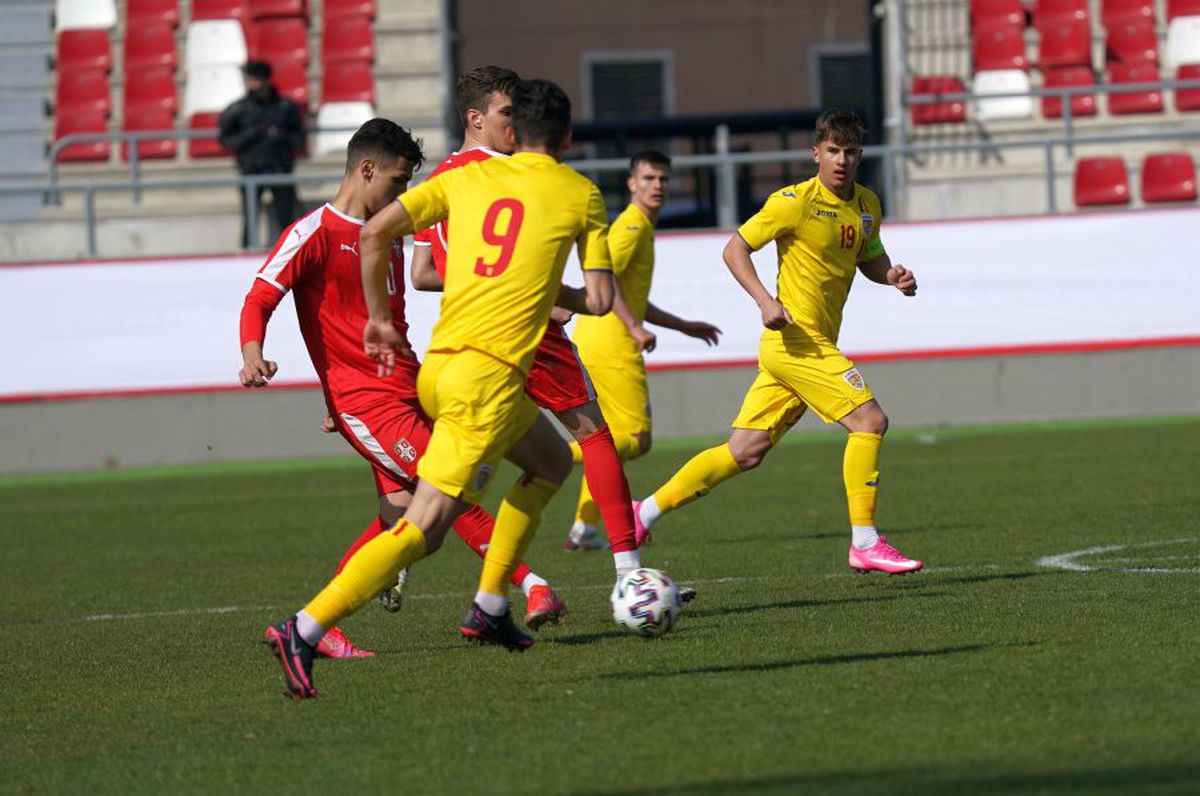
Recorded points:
(350, 115)
(212, 88)
(1002, 81)
(214, 42)
(1183, 42)
(85, 14)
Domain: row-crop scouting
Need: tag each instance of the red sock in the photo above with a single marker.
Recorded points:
(475, 528)
(606, 479)
(374, 529)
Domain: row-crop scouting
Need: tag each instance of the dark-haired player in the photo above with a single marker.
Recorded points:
(824, 230)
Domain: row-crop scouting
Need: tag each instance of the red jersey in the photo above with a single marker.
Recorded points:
(317, 259)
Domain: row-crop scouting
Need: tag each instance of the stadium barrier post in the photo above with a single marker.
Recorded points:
(1066, 98)
(726, 176)
(135, 165)
(1051, 188)
(250, 193)
(89, 213)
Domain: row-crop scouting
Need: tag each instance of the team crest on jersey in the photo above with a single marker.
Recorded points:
(406, 451)
(482, 477)
(868, 221)
(854, 379)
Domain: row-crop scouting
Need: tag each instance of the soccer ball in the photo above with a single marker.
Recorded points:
(645, 601)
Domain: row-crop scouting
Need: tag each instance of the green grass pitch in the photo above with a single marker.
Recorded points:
(133, 607)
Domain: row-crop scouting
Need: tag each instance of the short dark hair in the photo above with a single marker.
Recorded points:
(475, 88)
(843, 128)
(383, 137)
(541, 113)
(258, 69)
(650, 156)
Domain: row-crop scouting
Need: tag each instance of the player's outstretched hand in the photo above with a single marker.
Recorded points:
(903, 280)
(775, 315)
(703, 331)
(646, 340)
(383, 343)
(257, 372)
(327, 425)
(561, 315)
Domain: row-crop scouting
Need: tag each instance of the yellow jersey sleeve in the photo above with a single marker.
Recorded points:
(593, 242)
(780, 215)
(623, 238)
(872, 220)
(426, 204)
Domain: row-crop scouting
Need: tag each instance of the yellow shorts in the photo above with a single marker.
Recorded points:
(480, 409)
(623, 394)
(797, 371)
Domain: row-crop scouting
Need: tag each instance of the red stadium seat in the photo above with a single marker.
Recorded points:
(349, 8)
(83, 49)
(1182, 8)
(150, 45)
(1067, 43)
(1101, 181)
(290, 79)
(949, 112)
(996, 13)
(283, 39)
(1115, 12)
(1132, 43)
(82, 122)
(1168, 177)
(151, 12)
(999, 48)
(1050, 12)
(347, 39)
(348, 81)
(205, 147)
(150, 91)
(260, 9)
(85, 91)
(1150, 101)
(150, 119)
(1188, 99)
(218, 9)
(1081, 104)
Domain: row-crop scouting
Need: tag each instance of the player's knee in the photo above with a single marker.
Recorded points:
(644, 441)
(750, 456)
(877, 422)
(557, 465)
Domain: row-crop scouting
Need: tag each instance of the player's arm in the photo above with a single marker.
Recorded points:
(737, 260)
(698, 329)
(257, 309)
(592, 246)
(594, 298)
(646, 340)
(423, 272)
(876, 265)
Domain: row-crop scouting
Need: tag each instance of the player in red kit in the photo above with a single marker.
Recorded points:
(317, 259)
(557, 380)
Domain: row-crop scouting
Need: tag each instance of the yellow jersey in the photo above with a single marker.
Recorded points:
(820, 239)
(513, 222)
(631, 247)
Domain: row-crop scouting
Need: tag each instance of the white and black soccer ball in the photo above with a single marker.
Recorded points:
(646, 601)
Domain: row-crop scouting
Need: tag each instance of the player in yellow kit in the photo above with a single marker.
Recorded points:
(824, 230)
(611, 346)
(513, 222)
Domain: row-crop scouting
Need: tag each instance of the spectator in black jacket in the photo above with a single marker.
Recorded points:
(264, 130)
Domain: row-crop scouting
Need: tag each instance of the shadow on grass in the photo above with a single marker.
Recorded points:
(820, 660)
(1178, 778)
(844, 535)
(966, 580)
(749, 609)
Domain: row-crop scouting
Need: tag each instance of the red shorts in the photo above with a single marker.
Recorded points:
(389, 431)
(557, 379)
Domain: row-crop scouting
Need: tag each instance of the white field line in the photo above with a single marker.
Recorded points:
(1070, 561)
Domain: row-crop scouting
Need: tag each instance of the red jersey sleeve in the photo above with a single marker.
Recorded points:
(297, 255)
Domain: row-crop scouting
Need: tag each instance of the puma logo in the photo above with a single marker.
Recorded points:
(352, 248)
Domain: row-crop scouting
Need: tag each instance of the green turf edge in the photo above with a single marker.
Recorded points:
(804, 437)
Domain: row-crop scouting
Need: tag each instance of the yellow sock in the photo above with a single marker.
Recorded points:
(576, 452)
(860, 471)
(586, 511)
(516, 522)
(372, 569)
(704, 471)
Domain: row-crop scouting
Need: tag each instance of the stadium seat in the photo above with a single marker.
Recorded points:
(1150, 101)
(337, 121)
(347, 39)
(150, 45)
(82, 122)
(1002, 81)
(1114, 12)
(85, 91)
(290, 79)
(150, 119)
(282, 40)
(996, 13)
(212, 88)
(1081, 104)
(215, 42)
(261, 9)
(1182, 8)
(85, 14)
(999, 48)
(349, 8)
(1101, 181)
(1183, 42)
(205, 147)
(218, 9)
(1132, 43)
(1188, 99)
(152, 12)
(150, 91)
(1168, 177)
(1050, 12)
(353, 81)
(1066, 43)
(83, 49)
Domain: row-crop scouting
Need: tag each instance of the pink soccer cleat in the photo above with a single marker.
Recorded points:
(544, 606)
(334, 644)
(641, 534)
(883, 557)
